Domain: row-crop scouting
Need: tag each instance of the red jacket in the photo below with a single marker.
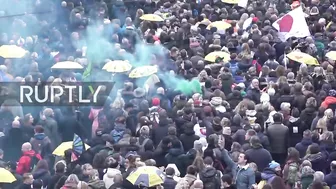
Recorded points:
(328, 101)
(24, 162)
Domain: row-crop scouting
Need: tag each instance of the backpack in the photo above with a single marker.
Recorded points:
(39, 145)
(154, 117)
(234, 68)
(117, 135)
(33, 162)
(142, 146)
(213, 182)
(293, 169)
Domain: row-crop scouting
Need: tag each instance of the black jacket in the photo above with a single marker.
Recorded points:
(278, 135)
(188, 139)
(169, 183)
(259, 156)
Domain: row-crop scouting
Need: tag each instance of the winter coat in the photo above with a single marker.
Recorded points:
(24, 162)
(51, 130)
(268, 175)
(12, 144)
(307, 116)
(306, 180)
(327, 146)
(161, 131)
(259, 156)
(330, 178)
(318, 161)
(69, 126)
(299, 101)
(295, 131)
(243, 177)
(44, 175)
(208, 174)
(41, 144)
(108, 178)
(172, 156)
(303, 146)
(96, 184)
(188, 139)
(253, 94)
(54, 179)
(278, 135)
(169, 183)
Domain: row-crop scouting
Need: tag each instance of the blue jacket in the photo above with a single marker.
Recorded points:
(244, 178)
(330, 179)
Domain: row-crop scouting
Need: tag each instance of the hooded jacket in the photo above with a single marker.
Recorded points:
(303, 146)
(260, 156)
(24, 162)
(210, 174)
(109, 176)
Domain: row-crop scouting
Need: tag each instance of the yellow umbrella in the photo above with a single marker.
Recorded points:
(117, 66)
(331, 55)
(211, 57)
(151, 17)
(147, 176)
(143, 71)
(12, 51)
(220, 25)
(67, 65)
(59, 151)
(301, 57)
(6, 176)
(205, 22)
(231, 1)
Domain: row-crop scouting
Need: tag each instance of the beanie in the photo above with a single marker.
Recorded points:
(273, 165)
(155, 102)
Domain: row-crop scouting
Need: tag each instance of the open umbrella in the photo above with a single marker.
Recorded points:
(331, 55)
(220, 25)
(78, 148)
(143, 71)
(12, 51)
(211, 57)
(59, 151)
(117, 66)
(152, 17)
(67, 65)
(231, 1)
(6, 176)
(301, 57)
(147, 176)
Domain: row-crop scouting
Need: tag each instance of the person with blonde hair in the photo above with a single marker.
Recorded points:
(322, 123)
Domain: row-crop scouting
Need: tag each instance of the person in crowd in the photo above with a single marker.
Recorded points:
(28, 160)
(305, 143)
(60, 168)
(278, 136)
(244, 175)
(330, 178)
(27, 181)
(169, 182)
(258, 154)
(41, 172)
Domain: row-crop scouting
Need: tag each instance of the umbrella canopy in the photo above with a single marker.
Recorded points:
(59, 151)
(211, 57)
(220, 25)
(117, 66)
(152, 17)
(6, 176)
(143, 71)
(331, 55)
(12, 51)
(301, 57)
(147, 176)
(67, 65)
(231, 1)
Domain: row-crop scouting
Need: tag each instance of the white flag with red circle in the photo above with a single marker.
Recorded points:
(292, 24)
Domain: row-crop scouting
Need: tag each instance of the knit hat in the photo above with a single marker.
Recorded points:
(198, 145)
(332, 93)
(155, 101)
(273, 165)
(306, 170)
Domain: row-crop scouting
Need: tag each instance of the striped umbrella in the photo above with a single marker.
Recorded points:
(147, 176)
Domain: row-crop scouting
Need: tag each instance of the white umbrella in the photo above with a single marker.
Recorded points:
(67, 65)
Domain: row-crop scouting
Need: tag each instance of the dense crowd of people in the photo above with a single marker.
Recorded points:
(259, 120)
